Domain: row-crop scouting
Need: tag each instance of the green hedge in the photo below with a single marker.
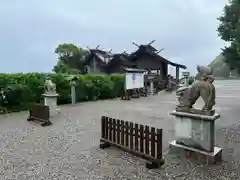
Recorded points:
(25, 89)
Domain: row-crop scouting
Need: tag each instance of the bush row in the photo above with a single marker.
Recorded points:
(24, 89)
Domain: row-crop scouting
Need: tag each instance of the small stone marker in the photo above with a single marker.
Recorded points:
(151, 81)
(73, 83)
(73, 92)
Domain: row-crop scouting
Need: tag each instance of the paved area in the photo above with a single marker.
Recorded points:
(68, 149)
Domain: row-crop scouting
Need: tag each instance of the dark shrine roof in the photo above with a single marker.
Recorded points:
(150, 50)
(103, 56)
(107, 59)
(122, 58)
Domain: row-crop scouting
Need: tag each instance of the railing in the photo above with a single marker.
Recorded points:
(139, 140)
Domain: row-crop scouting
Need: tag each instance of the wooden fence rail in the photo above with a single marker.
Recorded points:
(139, 140)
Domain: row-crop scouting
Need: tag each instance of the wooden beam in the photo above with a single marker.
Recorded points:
(110, 52)
(135, 44)
(135, 153)
(160, 50)
(151, 42)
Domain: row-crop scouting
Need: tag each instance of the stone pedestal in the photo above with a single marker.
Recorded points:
(196, 133)
(73, 94)
(51, 101)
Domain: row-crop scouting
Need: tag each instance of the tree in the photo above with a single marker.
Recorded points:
(70, 59)
(229, 31)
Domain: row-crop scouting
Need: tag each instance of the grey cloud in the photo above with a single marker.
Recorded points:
(30, 31)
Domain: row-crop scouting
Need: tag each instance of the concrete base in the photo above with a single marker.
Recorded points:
(195, 130)
(51, 101)
(195, 154)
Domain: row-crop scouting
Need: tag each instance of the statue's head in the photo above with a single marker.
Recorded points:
(204, 70)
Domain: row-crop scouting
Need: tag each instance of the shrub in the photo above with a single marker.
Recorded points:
(25, 89)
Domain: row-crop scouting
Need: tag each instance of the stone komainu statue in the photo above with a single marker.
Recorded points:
(49, 86)
(203, 88)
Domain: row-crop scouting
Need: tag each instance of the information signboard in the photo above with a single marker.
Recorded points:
(134, 80)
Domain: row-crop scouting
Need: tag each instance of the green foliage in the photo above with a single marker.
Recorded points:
(118, 85)
(70, 59)
(25, 89)
(229, 31)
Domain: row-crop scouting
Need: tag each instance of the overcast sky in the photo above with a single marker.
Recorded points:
(31, 29)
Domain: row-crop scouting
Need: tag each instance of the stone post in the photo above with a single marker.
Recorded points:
(151, 88)
(73, 92)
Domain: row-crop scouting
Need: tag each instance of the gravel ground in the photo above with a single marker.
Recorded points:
(68, 150)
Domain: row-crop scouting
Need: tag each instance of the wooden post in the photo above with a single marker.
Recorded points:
(160, 161)
(126, 134)
(159, 144)
(153, 140)
(131, 135)
(122, 132)
(103, 127)
(136, 137)
(146, 140)
(106, 127)
(141, 138)
(114, 130)
(118, 131)
(110, 128)
(177, 75)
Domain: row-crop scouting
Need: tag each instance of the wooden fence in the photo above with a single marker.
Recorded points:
(40, 113)
(139, 140)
